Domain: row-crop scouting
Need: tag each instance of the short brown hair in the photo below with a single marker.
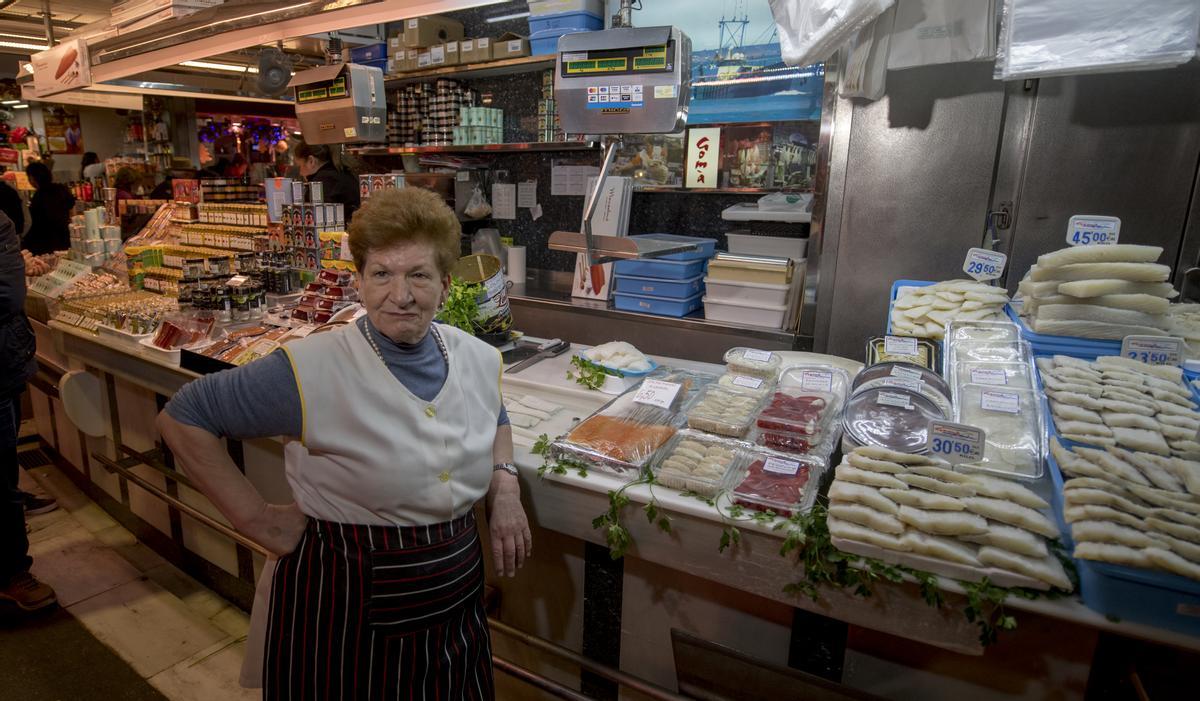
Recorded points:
(410, 214)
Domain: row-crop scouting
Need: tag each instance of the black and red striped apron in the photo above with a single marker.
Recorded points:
(379, 612)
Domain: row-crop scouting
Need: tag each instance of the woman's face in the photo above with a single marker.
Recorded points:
(308, 165)
(402, 289)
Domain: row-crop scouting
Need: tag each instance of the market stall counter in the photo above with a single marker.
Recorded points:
(709, 566)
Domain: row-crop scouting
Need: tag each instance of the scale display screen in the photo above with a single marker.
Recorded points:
(610, 62)
(323, 91)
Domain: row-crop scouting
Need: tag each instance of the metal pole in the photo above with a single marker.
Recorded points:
(655, 692)
(49, 27)
(549, 686)
(589, 208)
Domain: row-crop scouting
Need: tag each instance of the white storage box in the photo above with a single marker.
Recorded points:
(780, 246)
(756, 293)
(746, 314)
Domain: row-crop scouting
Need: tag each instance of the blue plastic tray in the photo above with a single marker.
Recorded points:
(622, 371)
(1046, 344)
(659, 268)
(661, 306)
(657, 287)
(707, 246)
(546, 41)
(371, 52)
(580, 21)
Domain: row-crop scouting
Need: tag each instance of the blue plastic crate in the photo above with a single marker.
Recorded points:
(661, 306)
(371, 52)
(546, 41)
(659, 268)
(578, 21)
(1046, 344)
(707, 247)
(657, 287)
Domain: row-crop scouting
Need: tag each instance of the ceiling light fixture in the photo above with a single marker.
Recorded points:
(10, 102)
(20, 107)
(211, 65)
(505, 18)
(20, 45)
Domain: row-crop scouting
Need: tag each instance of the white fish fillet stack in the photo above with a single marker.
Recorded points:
(926, 311)
(1120, 402)
(916, 504)
(1131, 508)
(1184, 321)
(1104, 292)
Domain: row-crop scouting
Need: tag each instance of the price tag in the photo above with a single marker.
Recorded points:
(893, 399)
(781, 466)
(983, 264)
(657, 393)
(816, 381)
(903, 383)
(989, 376)
(907, 373)
(1093, 230)
(758, 356)
(1155, 350)
(1007, 402)
(751, 382)
(900, 345)
(955, 443)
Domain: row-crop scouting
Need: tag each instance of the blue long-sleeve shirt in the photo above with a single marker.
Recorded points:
(261, 398)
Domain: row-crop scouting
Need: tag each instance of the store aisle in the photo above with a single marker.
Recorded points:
(134, 625)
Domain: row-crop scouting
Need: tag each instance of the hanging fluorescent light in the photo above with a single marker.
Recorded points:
(211, 65)
(20, 45)
(20, 36)
(10, 102)
(20, 107)
(505, 18)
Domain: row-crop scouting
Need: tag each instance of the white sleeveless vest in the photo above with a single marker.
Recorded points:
(374, 453)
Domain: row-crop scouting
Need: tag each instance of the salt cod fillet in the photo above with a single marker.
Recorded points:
(1097, 288)
(1091, 329)
(1133, 272)
(1104, 315)
(1121, 252)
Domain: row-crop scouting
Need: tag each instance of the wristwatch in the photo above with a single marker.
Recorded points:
(507, 467)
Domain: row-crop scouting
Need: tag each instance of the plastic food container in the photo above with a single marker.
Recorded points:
(746, 293)
(656, 267)
(728, 411)
(1001, 375)
(770, 271)
(560, 21)
(982, 331)
(990, 352)
(905, 349)
(657, 287)
(748, 314)
(1013, 420)
(795, 421)
(902, 371)
(785, 485)
(753, 362)
(747, 383)
(662, 306)
(891, 417)
(695, 461)
(705, 250)
(779, 246)
(621, 437)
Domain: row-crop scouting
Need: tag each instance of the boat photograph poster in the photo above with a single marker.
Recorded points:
(738, 73)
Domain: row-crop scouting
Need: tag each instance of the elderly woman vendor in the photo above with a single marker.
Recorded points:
(399, 430)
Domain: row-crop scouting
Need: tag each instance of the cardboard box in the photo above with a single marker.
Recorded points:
(509, 45)
(396, 44)
(437, 55)
(482, 52)
(453, 56)
(424, 60)
(411, 62)
(420, 32)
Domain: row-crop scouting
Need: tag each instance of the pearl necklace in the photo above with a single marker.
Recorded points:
(437, 337)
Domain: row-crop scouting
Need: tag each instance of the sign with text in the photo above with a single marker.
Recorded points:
(984, 265)
(703, 157)
(657, 393)
(62, 68)
(1155, 350)
(1093, 230)
(955, 443)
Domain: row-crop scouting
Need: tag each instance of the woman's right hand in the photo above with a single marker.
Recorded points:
(277, 527)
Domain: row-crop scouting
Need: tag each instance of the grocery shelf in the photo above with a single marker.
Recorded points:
(518, 147)
(508, 66)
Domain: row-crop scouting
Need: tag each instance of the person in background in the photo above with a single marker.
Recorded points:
(49, 212)
(89, 159)
(320, 163)
(125, 181)
(11, 204)
(237, 167)
(18, 588)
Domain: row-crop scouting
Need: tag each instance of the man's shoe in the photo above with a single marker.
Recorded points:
(27, 593)
(35, 504)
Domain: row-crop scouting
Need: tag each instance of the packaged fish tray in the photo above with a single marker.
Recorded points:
(697, 462)
(1013, 421)
(728, 411)
(747, 383)
(753, 362)
(782, 484)
(802, 415)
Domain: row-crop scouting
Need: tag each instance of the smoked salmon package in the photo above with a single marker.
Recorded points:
(803, 415)
(624, 434)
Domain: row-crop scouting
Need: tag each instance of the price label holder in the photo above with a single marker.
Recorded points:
(782, 466)
(1155, 350)
(750, 382)
(657, 393)
(893, 399)
(758, 356)
(1093, 230)
(995, 400)
(989, 376)
(903, 383)
(906, 373)
(956, 443)
(816, 381)
(900, 345)
(984, 265)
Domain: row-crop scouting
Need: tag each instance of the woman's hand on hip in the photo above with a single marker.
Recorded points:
(278, 527)
(509, 528)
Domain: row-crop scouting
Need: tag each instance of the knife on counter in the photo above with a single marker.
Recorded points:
(549, 349)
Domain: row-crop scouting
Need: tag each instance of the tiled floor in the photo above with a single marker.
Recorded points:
(183, 639)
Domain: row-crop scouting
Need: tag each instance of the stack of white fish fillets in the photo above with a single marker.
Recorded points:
(526, 414)
(916, 504)
(1132, 508)
(926, 311)
(1104, 292)
(1115, 401)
